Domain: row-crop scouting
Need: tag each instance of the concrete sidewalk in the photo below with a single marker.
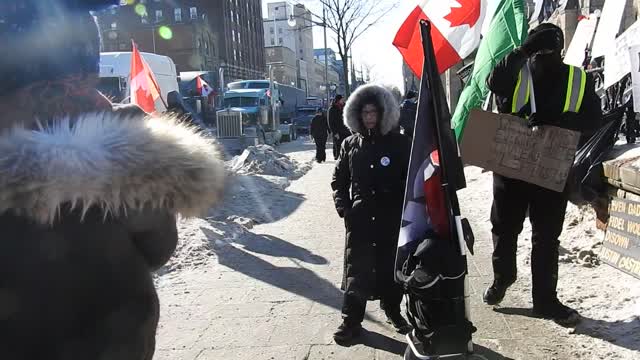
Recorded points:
(279, 298)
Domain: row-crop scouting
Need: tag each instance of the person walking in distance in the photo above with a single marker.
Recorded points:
(90, 193)
(339, 131)
(564, 97)
(320, 132)
(368, 189)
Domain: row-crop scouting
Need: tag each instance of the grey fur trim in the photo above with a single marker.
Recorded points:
(107, 160)
(389, 119)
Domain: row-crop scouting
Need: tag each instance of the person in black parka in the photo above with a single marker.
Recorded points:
(89, 193)
(339, 131)
(320, 133)
(373, 165)
(512, 198)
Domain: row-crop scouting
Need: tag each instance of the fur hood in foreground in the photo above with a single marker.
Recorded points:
(113, 161)
(383, 97)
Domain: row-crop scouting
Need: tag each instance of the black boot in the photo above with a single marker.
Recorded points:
(346, 333)
(495, 293)
(558, 312)
(399, 323)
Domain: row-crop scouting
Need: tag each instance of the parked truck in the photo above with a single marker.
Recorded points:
(249, 117)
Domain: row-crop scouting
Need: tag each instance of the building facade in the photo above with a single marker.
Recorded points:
(297, 36)
(335, 66)
(283, 64)
(179, 32)
(199, 35)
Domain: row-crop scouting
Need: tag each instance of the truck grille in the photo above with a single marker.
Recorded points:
(229, 124)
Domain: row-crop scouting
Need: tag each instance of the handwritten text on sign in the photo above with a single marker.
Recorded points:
(505, 145)
(621, 247)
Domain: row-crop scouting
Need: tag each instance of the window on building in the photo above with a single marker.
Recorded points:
(193, 12)
(232, 17)
(233, 35)
(280, 41)
(235, 55)
(123, 47)
(271, 30)
(280, 31)
(177, 13)
(238, 18)
(114, 25)
(273, 41)
(158, 15)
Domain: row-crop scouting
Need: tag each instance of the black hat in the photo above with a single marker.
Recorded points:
(47, 40)
(338, 98)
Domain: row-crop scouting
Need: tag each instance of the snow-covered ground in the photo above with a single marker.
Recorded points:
(255, 194)
(608, 299)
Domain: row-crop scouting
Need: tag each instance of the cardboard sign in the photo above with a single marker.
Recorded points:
(634, 58)
(505, 145)
(621, 246)
(617, 64)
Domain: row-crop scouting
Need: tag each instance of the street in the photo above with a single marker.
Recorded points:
(271, 291)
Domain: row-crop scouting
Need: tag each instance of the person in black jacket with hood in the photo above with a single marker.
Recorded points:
(320, 132)
(368, 189)
(336, 125)
(89, 193)
(512, 198)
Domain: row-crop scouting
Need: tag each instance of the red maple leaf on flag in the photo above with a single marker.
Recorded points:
(467, 13)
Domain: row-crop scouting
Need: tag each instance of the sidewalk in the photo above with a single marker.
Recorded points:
(277, 296)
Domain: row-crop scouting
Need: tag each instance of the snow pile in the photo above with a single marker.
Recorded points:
(265, 160)
(256, 193)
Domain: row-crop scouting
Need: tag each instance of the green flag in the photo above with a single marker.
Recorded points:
(507, 31)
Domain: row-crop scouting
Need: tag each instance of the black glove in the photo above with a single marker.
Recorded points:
(534, 121)
(547, 39)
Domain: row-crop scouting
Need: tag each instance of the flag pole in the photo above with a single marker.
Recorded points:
(450, 197)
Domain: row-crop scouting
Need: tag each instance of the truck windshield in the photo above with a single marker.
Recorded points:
(241, 102)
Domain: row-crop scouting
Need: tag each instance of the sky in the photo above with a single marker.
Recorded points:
(375, 47)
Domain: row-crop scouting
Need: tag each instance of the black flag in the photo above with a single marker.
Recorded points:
(431, 255)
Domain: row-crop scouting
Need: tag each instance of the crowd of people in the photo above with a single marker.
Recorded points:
(90, 191)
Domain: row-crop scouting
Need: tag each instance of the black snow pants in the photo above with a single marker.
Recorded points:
(511, 199)
(354, 304)
(321, 149)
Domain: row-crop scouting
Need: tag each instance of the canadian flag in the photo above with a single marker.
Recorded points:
(144, 87)
(203, 88)
(456, 29)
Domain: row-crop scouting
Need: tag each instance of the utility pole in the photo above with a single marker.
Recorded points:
(326, 56)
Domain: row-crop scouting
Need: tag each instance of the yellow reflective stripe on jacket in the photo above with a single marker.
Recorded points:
(521, 92)
(576, 85)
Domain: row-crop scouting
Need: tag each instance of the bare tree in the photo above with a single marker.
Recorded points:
(348, 20)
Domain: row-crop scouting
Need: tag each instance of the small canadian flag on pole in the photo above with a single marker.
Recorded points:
(456, 29)
(144, 87)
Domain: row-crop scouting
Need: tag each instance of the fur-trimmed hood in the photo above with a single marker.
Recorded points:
(384, 97)
(111, 160)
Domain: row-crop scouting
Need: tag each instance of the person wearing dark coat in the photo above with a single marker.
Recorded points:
(408, 110)
(339, 131)
(368, 189)
(89, 193)
(320, 134)
(513, 198)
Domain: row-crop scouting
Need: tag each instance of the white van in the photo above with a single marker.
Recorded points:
(115, 73)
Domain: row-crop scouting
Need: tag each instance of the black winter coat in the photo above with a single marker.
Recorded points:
(336, 122)
(319, 128)
(368, 189)
(550, 92)
(79, 239)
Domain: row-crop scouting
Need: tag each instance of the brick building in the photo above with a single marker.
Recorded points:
(199, 35)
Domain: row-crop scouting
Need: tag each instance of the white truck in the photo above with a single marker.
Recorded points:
(115, 75)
